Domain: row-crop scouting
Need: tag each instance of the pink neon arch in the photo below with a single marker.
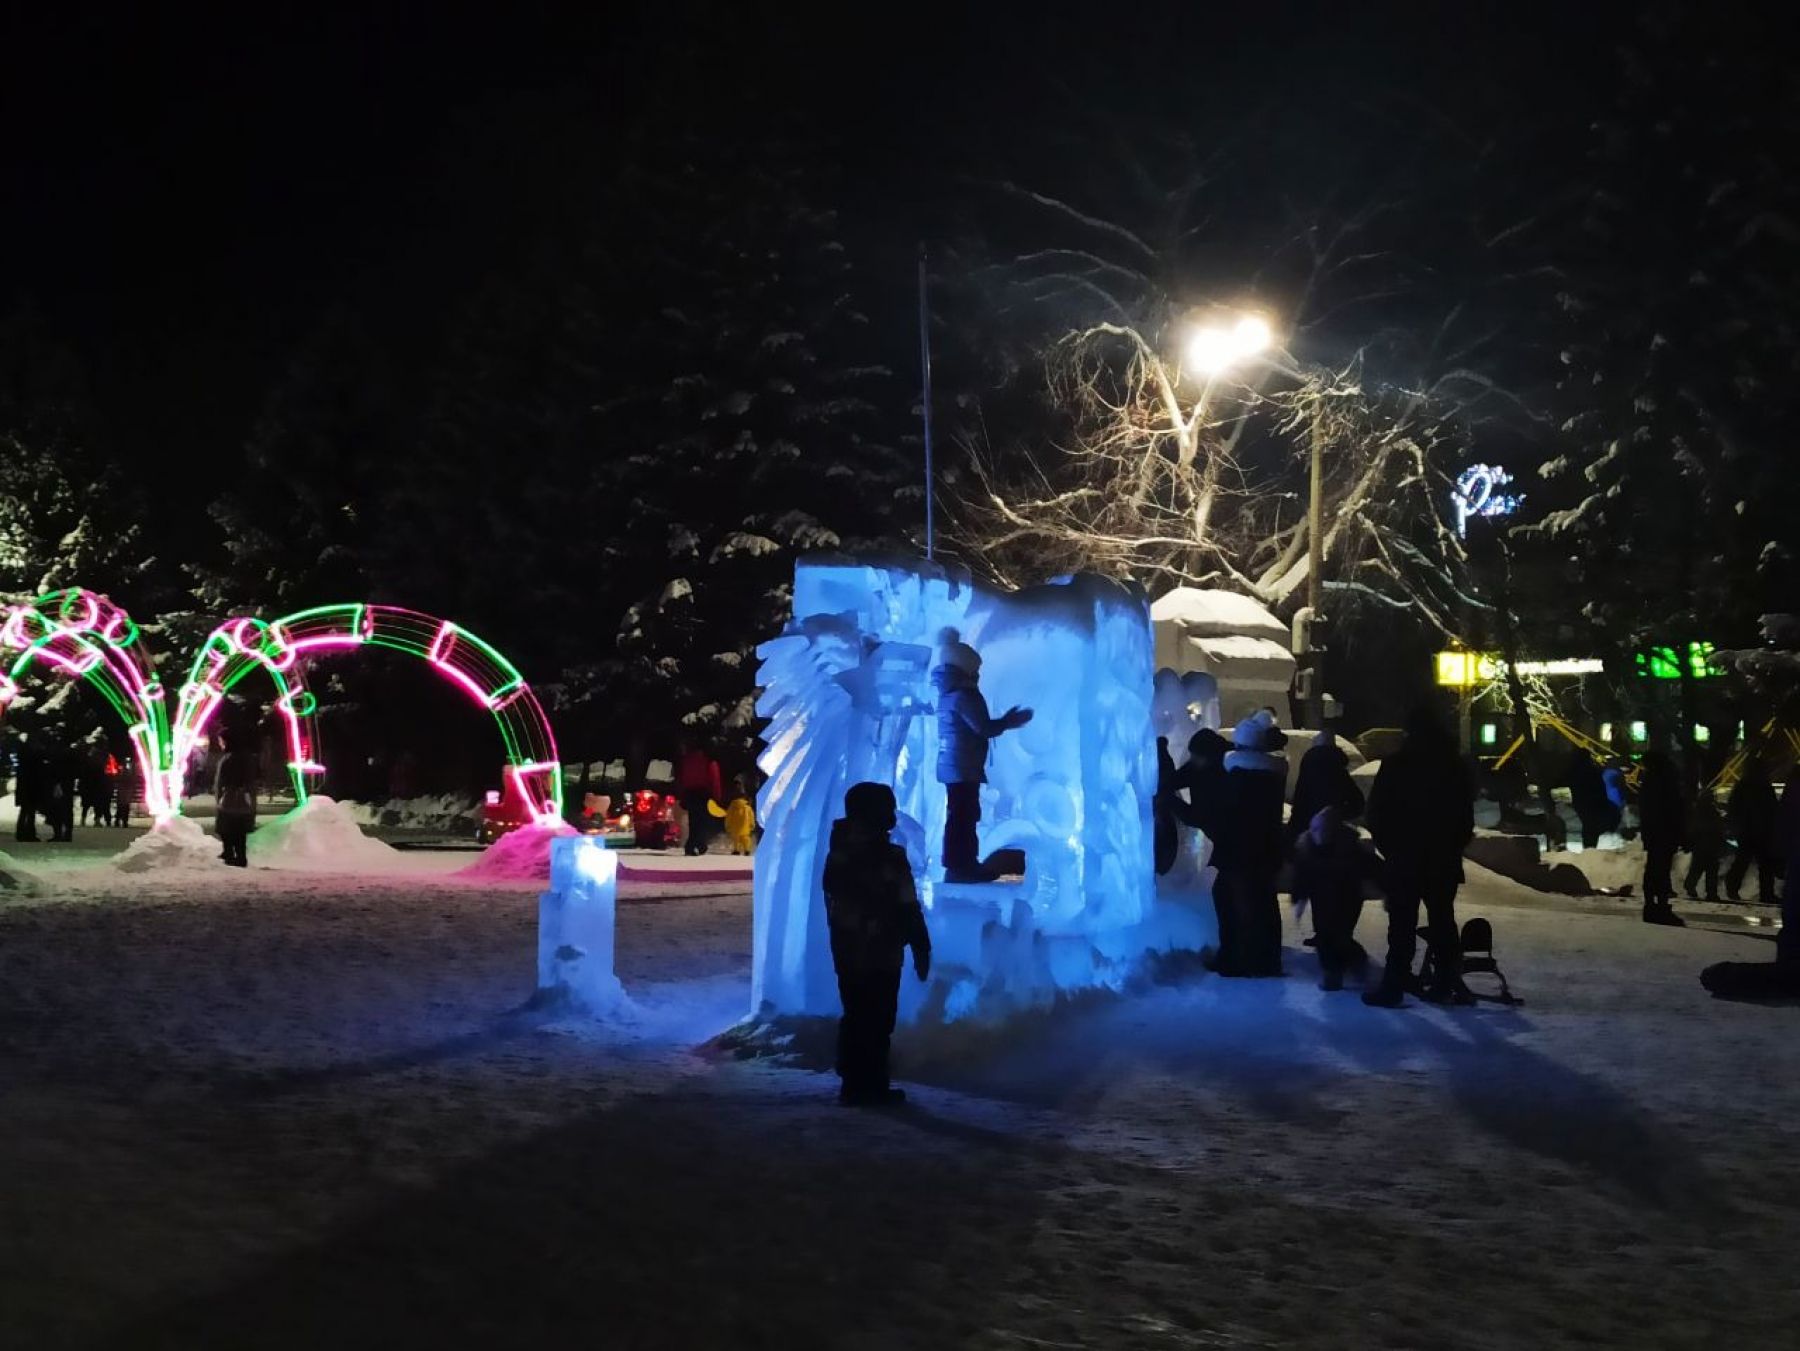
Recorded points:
(239, 646)
(87, 636)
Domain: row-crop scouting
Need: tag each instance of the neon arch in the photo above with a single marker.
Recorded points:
(86, 636)
(239, 646)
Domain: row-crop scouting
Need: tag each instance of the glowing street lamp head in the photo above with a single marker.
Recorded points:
(1214, 348)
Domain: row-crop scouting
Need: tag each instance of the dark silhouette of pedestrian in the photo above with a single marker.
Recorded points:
(1787, 838)
(1662, 820)
(125, 793)
(1422, 815)
(697, 786)
(872, 910)
(29, 784)
(964, 730)
(96, 790)
(1706, 845)
(1323, 781)
(1750, 812)
(1167, 830)
(1331, 867)
(234, 792)
(1242, 817)
(1593, 806)
(59, 795)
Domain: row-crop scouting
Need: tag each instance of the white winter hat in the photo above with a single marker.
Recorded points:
(1258, 732)
(953, 651)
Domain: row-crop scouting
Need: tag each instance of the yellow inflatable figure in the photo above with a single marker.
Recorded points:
(740, 823)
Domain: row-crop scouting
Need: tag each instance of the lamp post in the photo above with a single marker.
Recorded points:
(1213, 348)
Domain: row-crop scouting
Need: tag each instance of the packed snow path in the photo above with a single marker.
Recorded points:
(283, 1111)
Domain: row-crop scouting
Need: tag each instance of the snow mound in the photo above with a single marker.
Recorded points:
(321, 834)
(180, 843)
(1209, 613)
(14, 880)
(520, 856)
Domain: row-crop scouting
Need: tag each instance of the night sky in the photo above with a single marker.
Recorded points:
(188, 188)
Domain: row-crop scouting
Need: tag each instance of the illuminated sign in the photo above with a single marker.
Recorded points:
(1459, 670)
(1478, 493)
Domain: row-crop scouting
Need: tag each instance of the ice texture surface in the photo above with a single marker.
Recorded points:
(577, 919)
(847, 695)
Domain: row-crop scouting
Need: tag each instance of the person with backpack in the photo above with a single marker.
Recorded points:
(1422, 815)
(873, 914)
(234, 793)
(1662, 822)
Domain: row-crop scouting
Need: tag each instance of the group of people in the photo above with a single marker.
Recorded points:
(1766, 831)
(1420, 814)
(51, 783)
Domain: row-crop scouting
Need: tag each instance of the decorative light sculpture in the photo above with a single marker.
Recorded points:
(83, 634)
(239, 646)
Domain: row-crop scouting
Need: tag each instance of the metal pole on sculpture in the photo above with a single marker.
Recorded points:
(925, 403)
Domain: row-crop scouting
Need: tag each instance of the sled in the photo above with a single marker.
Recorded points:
(1477, 960)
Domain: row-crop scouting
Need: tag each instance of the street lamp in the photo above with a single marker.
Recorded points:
(1214, 348)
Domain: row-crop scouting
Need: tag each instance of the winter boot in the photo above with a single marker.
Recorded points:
(1385, 996)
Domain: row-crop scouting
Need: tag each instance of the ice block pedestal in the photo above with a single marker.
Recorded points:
(576, 920)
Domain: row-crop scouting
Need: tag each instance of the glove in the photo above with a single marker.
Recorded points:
(1016, 716)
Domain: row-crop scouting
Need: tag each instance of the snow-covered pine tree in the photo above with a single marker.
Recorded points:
(770, 434)
(299, 514)
(1683, 275)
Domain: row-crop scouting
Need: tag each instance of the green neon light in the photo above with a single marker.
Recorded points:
(1662, 663)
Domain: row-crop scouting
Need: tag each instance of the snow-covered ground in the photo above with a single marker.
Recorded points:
(290, 1109)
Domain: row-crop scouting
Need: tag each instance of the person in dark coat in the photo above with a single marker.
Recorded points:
(1587, 795)
(697, 786)
(1422, 815)
(28, 789)
(1331, 867)
(1750, 812)
(1242, 817)
(1323, 781)
(1167, 839)
(1706, 846)
(872, 910)
(1662, 819)
(1787, 838)
(96, 791)
(125, 793)
(234, 792)
(59, 795)
(964, 729)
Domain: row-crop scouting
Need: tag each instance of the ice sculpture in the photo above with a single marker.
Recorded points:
(847, 696)
(576, 923)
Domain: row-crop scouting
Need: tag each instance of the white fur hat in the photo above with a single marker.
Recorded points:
(953, 651)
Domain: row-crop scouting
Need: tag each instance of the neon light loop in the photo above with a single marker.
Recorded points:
(238, 647)
(83, 634)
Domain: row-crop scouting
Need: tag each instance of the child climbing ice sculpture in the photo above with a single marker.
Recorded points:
(964, 730)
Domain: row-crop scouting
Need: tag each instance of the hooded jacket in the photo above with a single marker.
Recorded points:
(1324, 781)
(964, 726)
(871, 904)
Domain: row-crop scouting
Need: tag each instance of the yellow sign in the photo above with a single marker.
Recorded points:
(1460, 670)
